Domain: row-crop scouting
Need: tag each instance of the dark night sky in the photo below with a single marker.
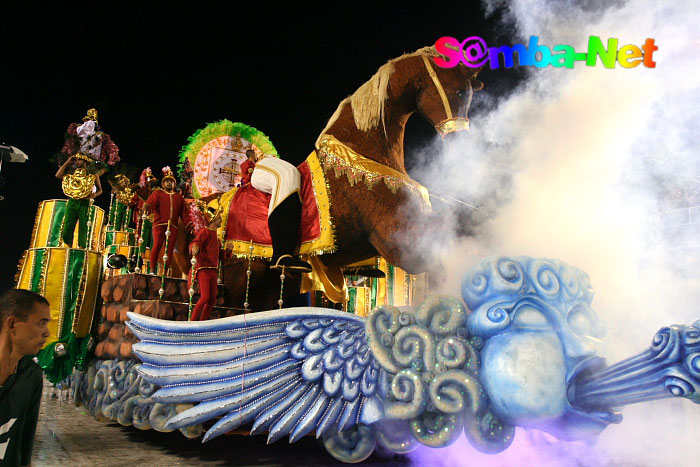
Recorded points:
(157, 73)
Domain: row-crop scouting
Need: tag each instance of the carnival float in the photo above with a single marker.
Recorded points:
(373, 359)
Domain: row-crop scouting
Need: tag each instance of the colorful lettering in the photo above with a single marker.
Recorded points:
(508, 53)
(607, 56)
(534, 49)
(473, 52)
(629, 56)
(450, 48)
(649, 49)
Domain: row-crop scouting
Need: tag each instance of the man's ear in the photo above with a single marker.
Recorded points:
(10, 324)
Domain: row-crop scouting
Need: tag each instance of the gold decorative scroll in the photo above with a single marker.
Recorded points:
(79, 184)
(124, 195)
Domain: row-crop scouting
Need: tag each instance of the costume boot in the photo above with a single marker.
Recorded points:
(284, 230)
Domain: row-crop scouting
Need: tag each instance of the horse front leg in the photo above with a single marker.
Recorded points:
(411, 237)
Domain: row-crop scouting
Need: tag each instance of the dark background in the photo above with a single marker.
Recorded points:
(158, 72)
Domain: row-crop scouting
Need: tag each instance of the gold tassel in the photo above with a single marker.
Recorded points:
(20, 267)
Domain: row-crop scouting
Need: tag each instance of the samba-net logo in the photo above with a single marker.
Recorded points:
(473, 52)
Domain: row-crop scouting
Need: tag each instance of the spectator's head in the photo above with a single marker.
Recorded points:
(24, 317)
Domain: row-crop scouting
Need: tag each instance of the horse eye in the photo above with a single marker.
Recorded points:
(460, 93)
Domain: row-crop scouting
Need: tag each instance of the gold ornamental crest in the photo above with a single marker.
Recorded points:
(124, 196)
(79, 184)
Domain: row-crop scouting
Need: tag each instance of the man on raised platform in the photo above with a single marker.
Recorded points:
(81, 188)
(168, 207)
(121, 187)
(144, 226)
(248, 166)
(206, 248)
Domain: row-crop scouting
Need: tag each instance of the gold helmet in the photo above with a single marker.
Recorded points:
(146, 177)
(121, 178)
(91, 115)
(168, 174)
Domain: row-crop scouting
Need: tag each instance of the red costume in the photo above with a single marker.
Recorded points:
(205, 271)
(165, 206)
(137, 201)
(246, 171)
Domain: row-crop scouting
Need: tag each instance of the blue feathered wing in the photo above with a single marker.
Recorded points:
(289, 371)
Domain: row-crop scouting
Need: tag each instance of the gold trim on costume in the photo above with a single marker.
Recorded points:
(356, 167)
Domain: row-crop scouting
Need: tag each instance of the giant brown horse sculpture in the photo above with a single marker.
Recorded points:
(371, 122)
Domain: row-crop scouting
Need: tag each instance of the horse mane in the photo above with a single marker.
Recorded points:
(368, 101)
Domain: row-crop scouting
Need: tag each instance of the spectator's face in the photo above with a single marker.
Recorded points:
(30, 336)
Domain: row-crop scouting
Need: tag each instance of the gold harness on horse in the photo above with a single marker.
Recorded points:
(450, 124)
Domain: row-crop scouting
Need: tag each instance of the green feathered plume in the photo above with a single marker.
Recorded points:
(215, 130)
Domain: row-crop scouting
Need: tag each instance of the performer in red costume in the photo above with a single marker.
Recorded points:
(166, 205)
(147, 183)
(248, 166)
(206, 248)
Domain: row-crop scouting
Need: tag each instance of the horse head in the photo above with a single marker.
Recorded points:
(372, 120)
(445, 94)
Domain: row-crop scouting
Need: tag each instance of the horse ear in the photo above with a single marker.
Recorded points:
(477, 85)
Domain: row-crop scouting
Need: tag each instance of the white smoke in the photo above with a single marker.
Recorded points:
(581, 161)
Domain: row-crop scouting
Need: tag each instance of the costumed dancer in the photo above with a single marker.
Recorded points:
(147, 182)
(248, 166)
(167, 207)
(123, 194)
(88, 138)
(206, 249)
(282, 181)
(81, 188)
